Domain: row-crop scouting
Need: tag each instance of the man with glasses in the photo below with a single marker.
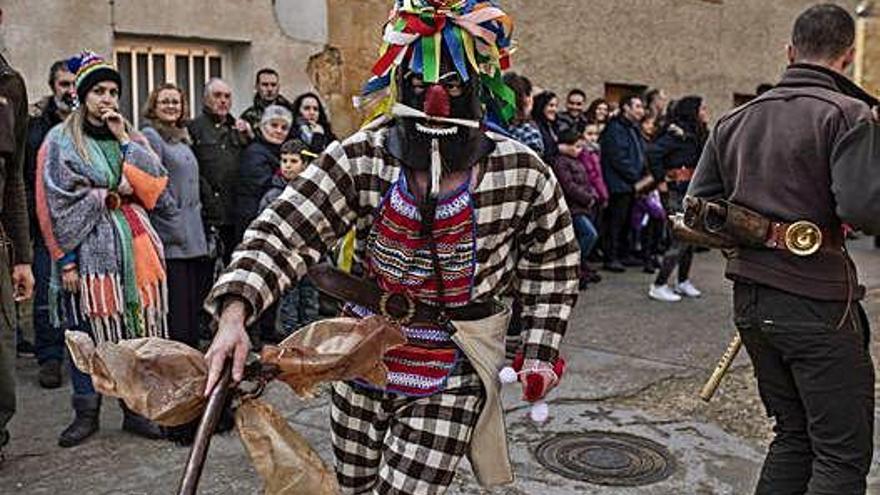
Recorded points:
(46, 114)
(574, 115)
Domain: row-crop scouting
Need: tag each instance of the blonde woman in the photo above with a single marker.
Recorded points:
(95, 180)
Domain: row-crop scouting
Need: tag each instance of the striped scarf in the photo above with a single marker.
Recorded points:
(122, 291)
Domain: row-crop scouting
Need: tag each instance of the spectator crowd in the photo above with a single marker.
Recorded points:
(624, 167)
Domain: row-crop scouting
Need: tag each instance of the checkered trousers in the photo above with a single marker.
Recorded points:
(393, 444)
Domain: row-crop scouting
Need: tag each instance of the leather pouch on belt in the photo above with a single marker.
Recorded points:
(746, 226)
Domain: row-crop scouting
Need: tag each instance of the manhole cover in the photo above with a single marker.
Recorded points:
(605, 458)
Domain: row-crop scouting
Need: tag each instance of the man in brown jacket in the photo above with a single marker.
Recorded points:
(15, 245)
(799, 316)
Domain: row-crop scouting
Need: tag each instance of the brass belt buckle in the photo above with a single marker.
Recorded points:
(803, 238)
(410, 308)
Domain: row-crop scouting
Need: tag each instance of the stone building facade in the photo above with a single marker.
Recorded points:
(718, 48)
(867, 69)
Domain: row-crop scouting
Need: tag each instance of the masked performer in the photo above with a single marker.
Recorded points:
(447, 216)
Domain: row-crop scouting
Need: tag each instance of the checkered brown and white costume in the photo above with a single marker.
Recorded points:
(393, 444)
(524, 239)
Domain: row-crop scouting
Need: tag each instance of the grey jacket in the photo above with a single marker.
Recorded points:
(774, 155)
(183, 184)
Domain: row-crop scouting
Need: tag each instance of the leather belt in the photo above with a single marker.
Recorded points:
(801, 238)
(400, 308)
(682, 174)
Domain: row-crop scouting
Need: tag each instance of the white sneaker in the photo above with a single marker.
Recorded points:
(686, 288)
(663, 293)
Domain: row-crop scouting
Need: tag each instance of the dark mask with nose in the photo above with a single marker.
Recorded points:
(440, 120)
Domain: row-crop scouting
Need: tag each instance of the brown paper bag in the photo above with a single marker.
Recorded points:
(159, 379)
(281, 456)
(333, 350)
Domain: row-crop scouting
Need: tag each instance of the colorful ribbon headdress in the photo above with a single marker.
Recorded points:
(476, 33)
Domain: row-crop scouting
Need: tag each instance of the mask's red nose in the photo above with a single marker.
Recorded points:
(437, 101)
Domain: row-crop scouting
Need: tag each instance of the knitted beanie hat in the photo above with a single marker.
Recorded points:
(91, 69)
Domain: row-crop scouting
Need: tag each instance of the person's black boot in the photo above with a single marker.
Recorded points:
(133, 422)
(50, 374)
(85, 423)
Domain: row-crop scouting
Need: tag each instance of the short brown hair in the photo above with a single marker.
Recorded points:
(152, 101)
(823, 32)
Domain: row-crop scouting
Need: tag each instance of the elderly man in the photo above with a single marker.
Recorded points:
(15, 246)
(218, 139)
(49, 112)
(267, 92)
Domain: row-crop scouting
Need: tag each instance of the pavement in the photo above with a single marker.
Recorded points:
(635, 366)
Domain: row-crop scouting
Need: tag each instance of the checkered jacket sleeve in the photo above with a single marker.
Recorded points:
(291, 234)
(547, 271)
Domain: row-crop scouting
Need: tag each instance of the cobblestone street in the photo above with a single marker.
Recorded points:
(634, 367)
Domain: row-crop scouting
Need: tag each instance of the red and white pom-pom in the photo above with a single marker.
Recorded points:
(508, 375)
(540, 411)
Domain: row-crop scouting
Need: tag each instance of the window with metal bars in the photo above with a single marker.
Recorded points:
(145, 64)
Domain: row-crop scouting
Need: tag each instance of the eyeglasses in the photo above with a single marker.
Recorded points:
(169, 103)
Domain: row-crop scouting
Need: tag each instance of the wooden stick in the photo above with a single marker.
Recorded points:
(199, 452)
(724, 363)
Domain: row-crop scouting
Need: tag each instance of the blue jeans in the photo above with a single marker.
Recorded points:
(586, 235)
(299, 306)
(72, 320)
(48, 340)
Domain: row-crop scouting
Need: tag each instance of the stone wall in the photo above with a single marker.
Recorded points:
(867, 71)
(38, 32)
(684, 46)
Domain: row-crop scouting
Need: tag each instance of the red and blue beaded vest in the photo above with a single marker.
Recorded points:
(399, 258)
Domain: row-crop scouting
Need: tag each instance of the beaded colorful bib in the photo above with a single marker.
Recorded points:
(399, 258)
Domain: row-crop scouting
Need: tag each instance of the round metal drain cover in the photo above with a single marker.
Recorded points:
(605, 458)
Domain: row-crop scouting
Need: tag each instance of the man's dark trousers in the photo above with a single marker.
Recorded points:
(816, 378)
(618, 223)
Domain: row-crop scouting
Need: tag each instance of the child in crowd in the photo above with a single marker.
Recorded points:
(299, 305)
(590, 157)
(579, 195)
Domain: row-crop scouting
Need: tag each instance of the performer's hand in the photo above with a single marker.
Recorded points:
(232, 341)
(22, 282)
(538, 378)
(70, 278)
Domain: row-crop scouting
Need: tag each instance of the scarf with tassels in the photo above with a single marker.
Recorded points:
(123, 290)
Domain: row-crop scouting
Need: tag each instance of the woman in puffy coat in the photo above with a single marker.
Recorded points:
(260, 162)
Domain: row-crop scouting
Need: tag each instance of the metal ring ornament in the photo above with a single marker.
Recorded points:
(410, 308)
(803, 238)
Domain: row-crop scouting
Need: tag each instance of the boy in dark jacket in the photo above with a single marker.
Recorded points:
(299, 306)
(579, 195)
